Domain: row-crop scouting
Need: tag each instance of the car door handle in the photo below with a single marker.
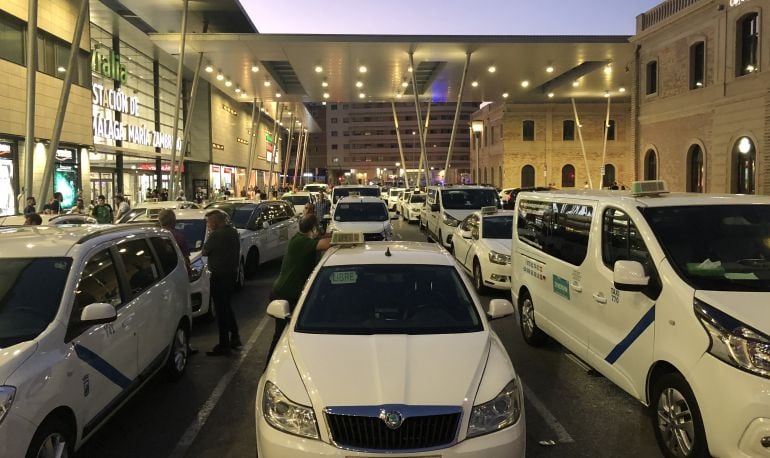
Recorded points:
(576, 287)
(599, 297)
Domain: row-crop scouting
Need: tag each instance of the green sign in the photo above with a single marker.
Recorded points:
(561, 286)
(269, 138)
(108, 65)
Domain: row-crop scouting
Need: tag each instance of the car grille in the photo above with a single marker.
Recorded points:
(376, 237)
(370, 433)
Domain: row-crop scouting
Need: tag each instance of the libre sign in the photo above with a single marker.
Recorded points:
(109, 66)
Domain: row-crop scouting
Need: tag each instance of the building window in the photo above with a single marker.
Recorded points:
(11, 39)
(486, 135)
(747, 42)
(568, 176)
(492, 136)
(652, 77)
(334, 146)
(651, 165)
(334, 120)
(334, 133)
(744, 166)
(611, 130)
(500, 183)
(609, 176)
(334, 106)
(527, 176)
(568, 130)
(695, 171)
(528, 131)
(698, 65)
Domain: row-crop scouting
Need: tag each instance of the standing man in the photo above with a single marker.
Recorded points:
(167, 220)
(102, 211)
(30, 208)
(321, 210)
(122, 207)
(223, 250)
(79, 208)
(296, 267)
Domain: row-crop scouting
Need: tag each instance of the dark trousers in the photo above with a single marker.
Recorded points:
(280, 325)
(221, 293)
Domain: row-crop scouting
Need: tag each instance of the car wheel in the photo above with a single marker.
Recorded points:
(240, 280)
(177, 357)
(676, 418)
(533, 335)
(478, 278)
(53, 439)
(252, 262)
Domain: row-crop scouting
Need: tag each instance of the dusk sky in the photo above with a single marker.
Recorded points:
(449, 17)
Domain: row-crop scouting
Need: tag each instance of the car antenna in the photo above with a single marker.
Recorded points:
(387, 252)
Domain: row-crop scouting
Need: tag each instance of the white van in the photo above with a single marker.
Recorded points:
(447, 206)
(663, 294)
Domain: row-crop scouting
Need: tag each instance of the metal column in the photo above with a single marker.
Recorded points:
(582, 145)
(425, 132)
(253, 138)
(400, 147)
(63, 100)
(29, 144)
(604, 149)
(457, 117)
(302, 138)
(276, 132)
(304, 156)
(419, 118)
(177, 96)
(287, 159)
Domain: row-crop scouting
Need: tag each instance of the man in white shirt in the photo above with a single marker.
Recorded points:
(122, 207)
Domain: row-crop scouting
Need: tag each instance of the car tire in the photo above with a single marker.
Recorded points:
(179, 355)
(252, 262)
(676, 418)
(533, 335)
(478, 278)
(53, 432)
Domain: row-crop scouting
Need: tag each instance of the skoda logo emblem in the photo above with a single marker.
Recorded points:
(391, 418)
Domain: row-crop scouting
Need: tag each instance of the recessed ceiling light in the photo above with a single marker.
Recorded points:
(606, 94)
(318, 69)
(525, 83)
(361, 95)
(243, 95)
(622, 89)
(410, 69)
(405, 84)
(326, 95)
(362, 69)
(278, 94)
(575, 83)
(267, 83)
(220, 77)
(549, 69)
(505, 95)
(359, 84)
(551, 95)
(228, 83)
(324, 84)
(398, 95)
(608, 69)
(475, 84)
(209, 69)
(492, 69)
(237, 90)
(323, 103)
(61, 69)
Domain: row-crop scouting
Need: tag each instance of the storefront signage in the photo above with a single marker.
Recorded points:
(164, 167)
(215, 169)
(63, 155)
(109, 66)
(5, 149)
(227, 170)
(114, 100)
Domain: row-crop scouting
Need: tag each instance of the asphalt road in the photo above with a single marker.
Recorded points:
(571, 412)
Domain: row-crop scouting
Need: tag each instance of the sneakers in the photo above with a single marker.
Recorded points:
(236, 344)
(218, 350)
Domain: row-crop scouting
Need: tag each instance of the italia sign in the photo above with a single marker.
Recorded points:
(108, 65)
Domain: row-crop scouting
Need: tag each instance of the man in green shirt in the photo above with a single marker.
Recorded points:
(102, 212)
(298, 263)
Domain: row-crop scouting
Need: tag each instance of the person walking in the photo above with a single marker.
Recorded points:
(297, 265)
(223, 250)
(102, 211)
(321, 210)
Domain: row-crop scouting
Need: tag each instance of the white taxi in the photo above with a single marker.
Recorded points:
(482, 245)
(299, 199)
(412, 208)
(389, 353)
(367, 215)
(152, 208)
(115, 310)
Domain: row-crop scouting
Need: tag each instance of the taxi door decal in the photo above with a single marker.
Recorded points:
(102, 366)
(637, 330)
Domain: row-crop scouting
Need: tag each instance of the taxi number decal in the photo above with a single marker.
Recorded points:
(344, 278)
(615, 294)
(561, 286)
(534, 269)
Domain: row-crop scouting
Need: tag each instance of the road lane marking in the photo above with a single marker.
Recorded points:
(192, 431)
(562, 435)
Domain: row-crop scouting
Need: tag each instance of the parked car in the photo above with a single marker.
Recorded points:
(412, 209)
(338, 192)
(393, 197)
(299, 199)
(49, 220)
(403, 197)
(448, 205)
(389, 352)
(151, 209)
(367, 215)
(510, 202)
(114, 310)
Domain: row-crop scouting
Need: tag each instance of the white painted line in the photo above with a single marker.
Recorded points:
(192, 431)
(562, 435)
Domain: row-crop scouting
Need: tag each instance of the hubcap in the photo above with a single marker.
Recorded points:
(675, 422)
(53, 446)
(180, 350)
(528, 317)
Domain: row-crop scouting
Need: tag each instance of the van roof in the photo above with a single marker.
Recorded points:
(673, 199)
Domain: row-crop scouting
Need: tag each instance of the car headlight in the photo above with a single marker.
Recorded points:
(287, 416)
(499, 258)
(499, 413)
(197, 269)
(734, 342)
(7, 394)
(450, 220)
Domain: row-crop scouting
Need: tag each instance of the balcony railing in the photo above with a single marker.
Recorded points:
(664, 11)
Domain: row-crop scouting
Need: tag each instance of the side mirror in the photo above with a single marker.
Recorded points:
(435, 207)
(279, 308)
(465, 234)
(629, 276)
(265, 225)
(499, 308)
(98, 313)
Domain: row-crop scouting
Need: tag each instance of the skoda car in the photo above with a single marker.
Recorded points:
(389, 353)
(482, 245)
(367, 215)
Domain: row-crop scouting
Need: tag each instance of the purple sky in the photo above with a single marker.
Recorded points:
(448, 17)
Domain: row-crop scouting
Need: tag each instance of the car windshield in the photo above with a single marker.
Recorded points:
(388, 299)
(469, 199)
(297, 200)
(26, 309)
(716, 247)
(394, 193)
(361, 211)
(498, 227)
(315, 188)
(339, 193)
(241, 215)
(194, 231)
(417, 198)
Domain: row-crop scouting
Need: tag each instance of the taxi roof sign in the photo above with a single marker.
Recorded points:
(649, 188)
(347, 238)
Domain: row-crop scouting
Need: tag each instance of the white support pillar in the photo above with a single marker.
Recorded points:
(457, 117)
(400, 146)
(29, 141)
(287, 159)
(63, 100)
(582, 145)
(419, 118)
(304, 157)
(302, 138)
(276, 133)
(177, 96)
(425, 133)
(604, 148)
(253, 138)
(187, 130)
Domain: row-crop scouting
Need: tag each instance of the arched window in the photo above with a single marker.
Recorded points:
(746, 44)
(744, 166)
(609, 175)
(568, 176)
(527, 176)
(651, 165)
(695, 171)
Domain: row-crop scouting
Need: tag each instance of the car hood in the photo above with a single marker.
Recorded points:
(366, 227)
(502, 246)
(11, 358)
(460, 214)
(747, 307)
(349, 370)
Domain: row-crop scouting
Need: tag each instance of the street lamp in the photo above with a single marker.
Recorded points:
(477, 125)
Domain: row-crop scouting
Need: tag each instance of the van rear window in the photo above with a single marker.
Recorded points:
(556, 228)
